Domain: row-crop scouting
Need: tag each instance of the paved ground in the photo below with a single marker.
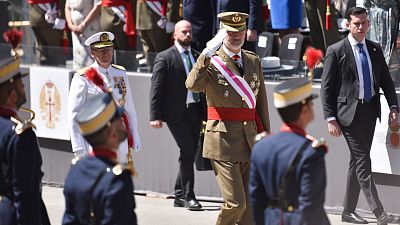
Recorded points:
(156, 209)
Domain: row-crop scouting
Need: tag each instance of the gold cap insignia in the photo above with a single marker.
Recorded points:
(104, 37)
(236, 18)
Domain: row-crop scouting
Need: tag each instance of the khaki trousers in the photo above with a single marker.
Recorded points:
(233, 180)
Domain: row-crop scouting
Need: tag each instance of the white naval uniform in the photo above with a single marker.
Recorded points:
(81, 89)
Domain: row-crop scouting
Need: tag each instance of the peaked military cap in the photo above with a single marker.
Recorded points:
(9, 70)
(233, 21)
(100, 40)
(97, 113)
(293, 91)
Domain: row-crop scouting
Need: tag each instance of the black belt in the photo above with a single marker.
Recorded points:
(362, 101)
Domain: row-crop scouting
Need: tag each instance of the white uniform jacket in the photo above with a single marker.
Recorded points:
(81, 89)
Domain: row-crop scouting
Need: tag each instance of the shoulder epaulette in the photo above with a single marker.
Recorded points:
(118, 67)
(21, 127)
(261, 135)
(82, 71)
(118, 169)
(318, 143)
(250, 52)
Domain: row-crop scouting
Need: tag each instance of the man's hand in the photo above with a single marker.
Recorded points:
(334, 128)
(214, 44)
(251, 35)
(393, 118)
(156, 124)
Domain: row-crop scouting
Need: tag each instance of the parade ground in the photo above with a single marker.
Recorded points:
(157, 209)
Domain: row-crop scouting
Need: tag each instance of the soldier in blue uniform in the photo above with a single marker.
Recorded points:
(99, 190)
(287, 170)
(20, 160)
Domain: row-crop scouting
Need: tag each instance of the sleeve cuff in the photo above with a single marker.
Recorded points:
(394, 107)
(330, 118)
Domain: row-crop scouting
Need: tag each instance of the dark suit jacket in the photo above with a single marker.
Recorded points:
(203, 24)
(340, 85)
(251, 7)
(168, 91)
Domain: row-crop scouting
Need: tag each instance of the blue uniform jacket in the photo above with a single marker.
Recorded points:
(306, 190)
(112, 198)
(20, 162)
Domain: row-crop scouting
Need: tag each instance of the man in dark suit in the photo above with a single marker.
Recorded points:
(254, 22)
(354, 71)
(203, 24)
(273, 169)
(172, 103)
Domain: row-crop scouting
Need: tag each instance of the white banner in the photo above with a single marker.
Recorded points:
(49, 88)
(385, 149)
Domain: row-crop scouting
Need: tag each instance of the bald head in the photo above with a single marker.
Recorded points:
(183, 33)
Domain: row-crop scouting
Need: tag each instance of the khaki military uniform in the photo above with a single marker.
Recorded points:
(228, 143)
(48, 40)
(110, 21)
(153, 38)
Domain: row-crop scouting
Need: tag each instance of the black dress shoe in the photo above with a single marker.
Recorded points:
(353, 217)
(179, 202)
(385, 218)
(192, 204)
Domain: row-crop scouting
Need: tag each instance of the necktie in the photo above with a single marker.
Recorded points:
(235, 59)
(196, 96)
(365, 72)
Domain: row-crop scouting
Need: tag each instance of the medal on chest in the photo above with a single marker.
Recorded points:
(120, 85)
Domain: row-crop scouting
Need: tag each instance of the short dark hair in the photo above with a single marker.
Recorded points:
(291, 113)
(355, 11)
(6, 88)
(99, 137)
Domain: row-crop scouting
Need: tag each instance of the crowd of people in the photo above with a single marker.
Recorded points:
(264, 177)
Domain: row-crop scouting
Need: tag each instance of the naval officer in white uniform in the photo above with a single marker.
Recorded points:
(112, 76)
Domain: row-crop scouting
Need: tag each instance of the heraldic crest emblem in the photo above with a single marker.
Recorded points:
(50, 104)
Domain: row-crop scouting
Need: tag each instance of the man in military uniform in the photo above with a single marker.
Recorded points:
(155, 20)
(110, 76)
(47, 19)
(98, 190)
(20, 159)
(287, 171)
(233, 82)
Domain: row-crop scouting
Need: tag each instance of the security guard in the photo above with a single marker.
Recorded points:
(110, 76)
(233, 82)
(98, 190)
(287, 171)
(20, 159)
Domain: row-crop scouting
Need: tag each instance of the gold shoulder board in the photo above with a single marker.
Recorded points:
(118, 67)
(118, 169)
(82, 71)
(320, 142)
(249, 52)
(22, 126)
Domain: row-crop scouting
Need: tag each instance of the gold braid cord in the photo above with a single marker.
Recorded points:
(131, 166)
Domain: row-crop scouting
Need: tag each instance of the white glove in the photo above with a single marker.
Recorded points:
(169, 27)
(214, 44)
(161, 23)
(137, 146)
(80, 153)
(59, 24)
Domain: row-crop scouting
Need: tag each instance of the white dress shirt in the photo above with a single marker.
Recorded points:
(189, 98)
(356, 53)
